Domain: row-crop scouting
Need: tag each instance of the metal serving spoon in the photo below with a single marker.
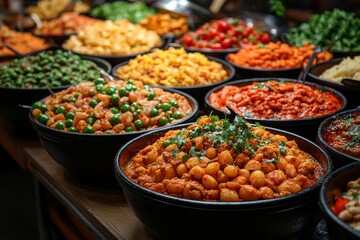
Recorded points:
(351, 82)
(317, 50)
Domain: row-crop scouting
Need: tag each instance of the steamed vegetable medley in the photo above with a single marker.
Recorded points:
(114, 107)
(50, 68)
(347, 204)
(218, 160)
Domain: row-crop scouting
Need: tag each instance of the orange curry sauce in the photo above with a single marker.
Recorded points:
(276, 100)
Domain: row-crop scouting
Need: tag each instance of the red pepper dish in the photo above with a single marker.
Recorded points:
(219, 160)
(224, 33)
(276, 100)
(343, 134)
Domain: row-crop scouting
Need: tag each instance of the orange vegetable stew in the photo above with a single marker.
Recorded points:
(219, 160)
(23, 42)
(276, 100)
(275, 55)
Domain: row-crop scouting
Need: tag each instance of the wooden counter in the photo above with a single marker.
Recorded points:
(78, 211)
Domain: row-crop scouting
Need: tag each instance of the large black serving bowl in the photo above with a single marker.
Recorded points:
(167, 217)
(306, 127)
(15, 117)
(89, 157)
(243, 72)
(339, 158)
(351, 92)
(196, 91)
(333, 185)
(114, 59)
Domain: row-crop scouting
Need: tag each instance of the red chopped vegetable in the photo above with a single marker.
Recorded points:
(339, 205)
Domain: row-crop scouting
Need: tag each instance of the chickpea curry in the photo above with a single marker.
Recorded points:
(218, 160)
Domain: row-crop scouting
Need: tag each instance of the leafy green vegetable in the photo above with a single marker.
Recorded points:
(118, 10)
(321, 29)
(278, 7)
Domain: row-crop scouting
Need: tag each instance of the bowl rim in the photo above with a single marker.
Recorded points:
(325, 81)
(60, 133)
(324, 206)
(248, 81)
(325, 123)
(116, 56)
(261, 69)
(58, 88)
(230, 69)
(263, 203)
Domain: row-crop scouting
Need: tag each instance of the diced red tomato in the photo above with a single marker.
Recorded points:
(265, 38)
(226, 43)
(339, 205)
(228, 33)
(216, 46)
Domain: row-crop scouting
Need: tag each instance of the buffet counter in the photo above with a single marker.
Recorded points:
(76, 210)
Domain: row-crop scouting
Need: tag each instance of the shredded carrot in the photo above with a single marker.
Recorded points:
(276, 55)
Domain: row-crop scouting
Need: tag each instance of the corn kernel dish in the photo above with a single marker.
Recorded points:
(173, 67)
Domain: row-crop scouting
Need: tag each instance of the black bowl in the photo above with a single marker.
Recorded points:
(197, 91)
(243, 72)
(198, 15)
(339, 158)
(350, 92)
(89, 157)
(56, 39)
(16, 117)
(334, 184)
(163, 215)
(114, 59)
(305, 127)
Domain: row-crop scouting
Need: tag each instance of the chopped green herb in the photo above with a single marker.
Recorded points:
(282, 147)
(273, 160)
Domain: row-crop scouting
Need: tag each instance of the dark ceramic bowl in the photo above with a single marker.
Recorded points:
(221, 53)
(243, 72)
(89, 157)
(305, 127)
(167, 217)
(334, 184)
(57, 39)
(16, 117)
(114, 59)
(198, 15)
(339, 158)
(197, 91)
(351, 92)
